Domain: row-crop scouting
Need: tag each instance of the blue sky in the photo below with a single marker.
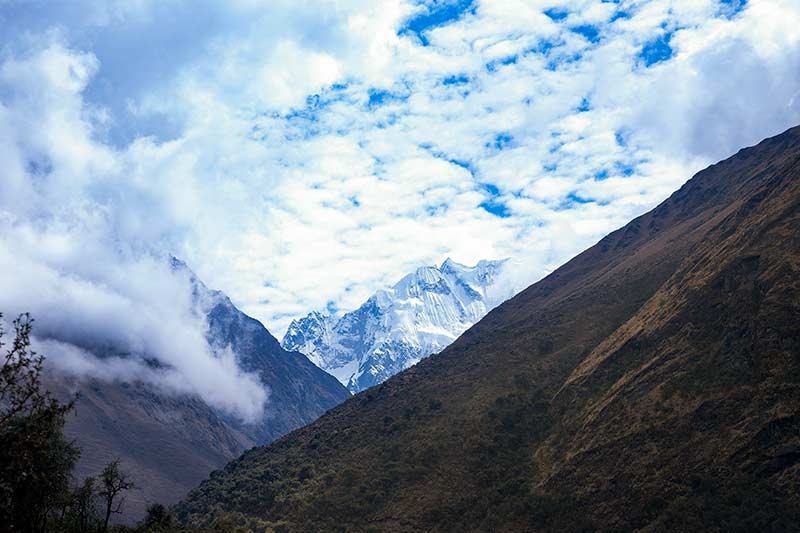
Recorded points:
(301, 154)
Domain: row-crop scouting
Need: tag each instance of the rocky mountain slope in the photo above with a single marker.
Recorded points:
(170, 442)
(652, 383)
(395, 328)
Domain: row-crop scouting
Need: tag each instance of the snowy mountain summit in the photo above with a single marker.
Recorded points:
(395, 328)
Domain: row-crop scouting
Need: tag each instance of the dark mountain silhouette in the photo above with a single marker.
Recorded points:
(652, 382)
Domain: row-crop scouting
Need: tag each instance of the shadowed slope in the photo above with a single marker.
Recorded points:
(169, 442)
(650, 382)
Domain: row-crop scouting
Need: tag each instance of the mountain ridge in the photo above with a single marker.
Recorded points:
(169, 442)
(652, 382)
(396, 327)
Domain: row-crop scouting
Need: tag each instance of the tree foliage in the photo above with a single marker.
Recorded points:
(36, 460)
(114, 482)
(37, 489)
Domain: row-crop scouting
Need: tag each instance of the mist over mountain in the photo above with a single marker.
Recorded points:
(396, 327)
(137, 408)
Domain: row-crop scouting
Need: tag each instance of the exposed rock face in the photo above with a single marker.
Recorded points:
(653, 383)
(395, 328)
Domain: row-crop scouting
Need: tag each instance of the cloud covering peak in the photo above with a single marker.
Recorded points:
(81, 236)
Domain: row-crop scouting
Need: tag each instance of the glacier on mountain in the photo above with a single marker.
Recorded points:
(396, 327)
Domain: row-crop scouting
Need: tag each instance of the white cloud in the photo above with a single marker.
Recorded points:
(80, 243)
(288, 189)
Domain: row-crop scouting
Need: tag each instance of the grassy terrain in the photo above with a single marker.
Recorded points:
(653, 382)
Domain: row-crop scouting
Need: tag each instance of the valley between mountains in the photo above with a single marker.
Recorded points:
(170, 442)
(400, 266)
(651, 383)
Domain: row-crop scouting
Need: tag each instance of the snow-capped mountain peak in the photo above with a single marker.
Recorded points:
(396, 327)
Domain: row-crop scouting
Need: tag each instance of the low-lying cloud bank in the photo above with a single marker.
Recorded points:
(82, 245)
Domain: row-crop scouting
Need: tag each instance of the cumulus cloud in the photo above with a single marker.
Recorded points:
(303, 153)
(521, 129)
(82, 240)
